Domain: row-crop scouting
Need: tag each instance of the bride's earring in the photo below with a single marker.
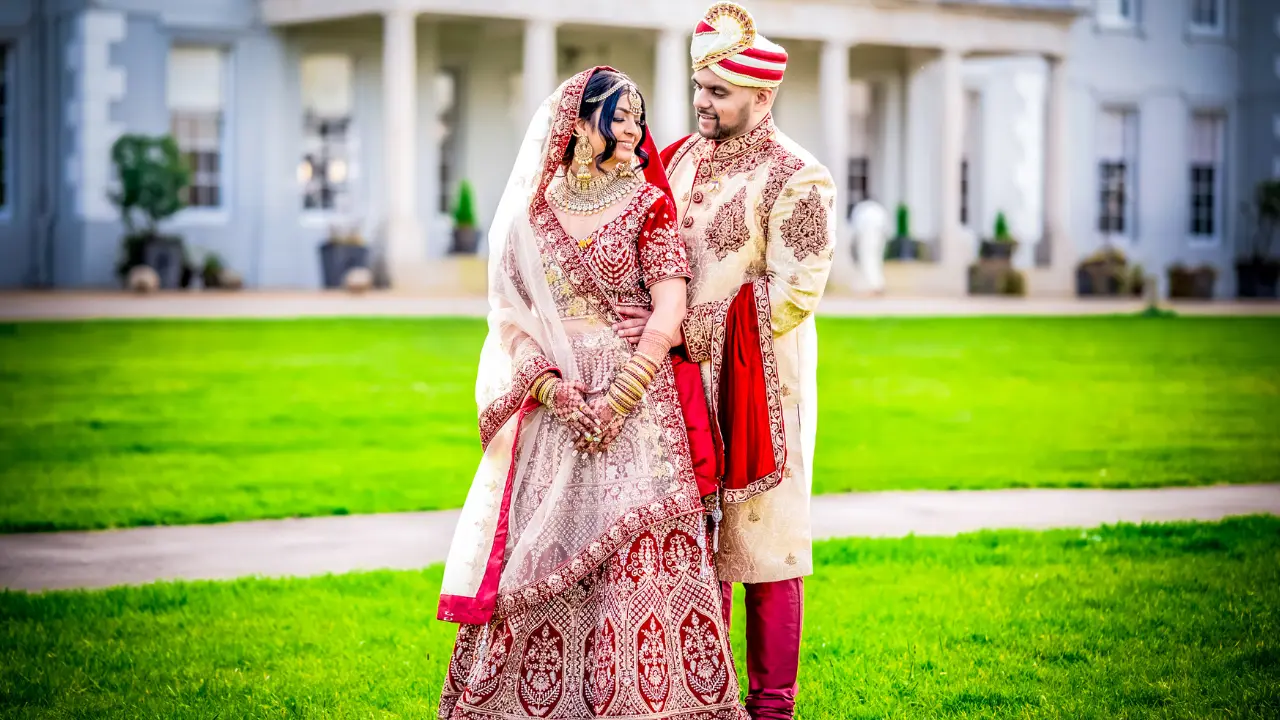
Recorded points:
(582, 157)
(628, 170)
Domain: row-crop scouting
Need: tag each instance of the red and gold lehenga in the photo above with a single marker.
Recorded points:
(584, 585)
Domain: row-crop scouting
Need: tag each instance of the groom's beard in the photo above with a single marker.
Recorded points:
(722, 131)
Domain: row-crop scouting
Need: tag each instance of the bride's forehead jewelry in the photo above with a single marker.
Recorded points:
(633, 95)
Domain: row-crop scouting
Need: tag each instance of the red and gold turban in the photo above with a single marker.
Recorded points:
(727, 42)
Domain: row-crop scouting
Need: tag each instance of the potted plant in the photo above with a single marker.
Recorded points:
(1002, 245)
(466, 235)
(151, 176)
(1257, 270)
(1191, 283)
(901, 246)
(212, 270)
(344, 249)
(1105, 272)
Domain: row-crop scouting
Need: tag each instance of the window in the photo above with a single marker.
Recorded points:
(859, 176)
(5, 126)
(1112, 197)
(964, 191)
(1208, 17)
(1206, 175)
(1116, 146)
(326, 170)
(196, 96)
(1117, 14)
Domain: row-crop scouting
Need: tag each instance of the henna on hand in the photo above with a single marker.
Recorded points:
(567, 405)
(610, 425)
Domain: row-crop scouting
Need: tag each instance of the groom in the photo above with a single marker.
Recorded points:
(757, 215)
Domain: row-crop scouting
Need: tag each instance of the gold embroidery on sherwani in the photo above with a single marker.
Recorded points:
(783, 167)
(766, 537)
(805, 232)
(729, 232)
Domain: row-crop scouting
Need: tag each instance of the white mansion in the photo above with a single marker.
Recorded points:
(1140, 123)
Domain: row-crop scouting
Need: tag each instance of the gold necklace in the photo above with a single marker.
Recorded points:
(601, 192)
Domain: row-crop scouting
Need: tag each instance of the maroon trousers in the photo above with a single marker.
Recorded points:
(775, 613)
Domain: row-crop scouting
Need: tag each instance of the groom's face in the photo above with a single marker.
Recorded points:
(724, 109)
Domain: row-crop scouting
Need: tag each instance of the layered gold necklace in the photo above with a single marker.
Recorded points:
(595, 195)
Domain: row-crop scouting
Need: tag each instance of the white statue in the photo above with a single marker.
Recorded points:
(870, 223)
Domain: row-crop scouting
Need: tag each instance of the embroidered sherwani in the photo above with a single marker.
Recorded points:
(758, 209)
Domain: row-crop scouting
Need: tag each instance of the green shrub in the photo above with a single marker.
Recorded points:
(903, 221)
(464, 211)
(1002, 229)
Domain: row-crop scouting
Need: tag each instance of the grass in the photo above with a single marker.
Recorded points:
(1155, 621)
(107, 424)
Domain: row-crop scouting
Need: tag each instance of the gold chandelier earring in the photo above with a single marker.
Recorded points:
(582, 157)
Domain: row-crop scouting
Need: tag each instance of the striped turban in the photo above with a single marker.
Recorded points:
(727, 42)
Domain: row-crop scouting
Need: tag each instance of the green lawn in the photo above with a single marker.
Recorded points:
(1158, 621)
(131, 423)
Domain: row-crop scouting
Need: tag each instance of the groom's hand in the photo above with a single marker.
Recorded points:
(633, 321)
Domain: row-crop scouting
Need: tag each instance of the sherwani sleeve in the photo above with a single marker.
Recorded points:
(801, 245)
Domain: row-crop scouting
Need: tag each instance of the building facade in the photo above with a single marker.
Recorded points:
(1139, 123)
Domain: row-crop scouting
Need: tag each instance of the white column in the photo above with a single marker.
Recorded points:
(539, 64)
(921, 144)
(435, 232)
(1056, 176)
(406, 250)
(833, 94)
(893, 128)
(668, 109)
(956, 255)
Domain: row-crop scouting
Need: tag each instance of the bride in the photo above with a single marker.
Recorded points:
(580, 571)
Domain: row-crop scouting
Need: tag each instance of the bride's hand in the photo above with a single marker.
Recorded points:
(610, 426)
(569, 407)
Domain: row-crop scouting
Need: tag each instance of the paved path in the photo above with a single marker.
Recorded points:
(412, 540)
(254, 304)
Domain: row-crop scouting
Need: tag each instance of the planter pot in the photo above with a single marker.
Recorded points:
(465, 241)
(1100, 278)
(1084, 282)
(903, 248)
(995, 250)
(337, 258)
(1257, 280)
(164, 255)
(1191, 284)
(995, 277)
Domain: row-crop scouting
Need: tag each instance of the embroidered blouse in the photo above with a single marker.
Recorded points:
(628, 255)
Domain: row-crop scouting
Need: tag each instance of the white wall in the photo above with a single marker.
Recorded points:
(1165, 74)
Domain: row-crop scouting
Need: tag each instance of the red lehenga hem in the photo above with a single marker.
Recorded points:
(641, 636)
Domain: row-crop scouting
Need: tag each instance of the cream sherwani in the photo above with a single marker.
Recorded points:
(760, 209)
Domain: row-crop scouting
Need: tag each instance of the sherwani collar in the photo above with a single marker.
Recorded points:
(745, 143)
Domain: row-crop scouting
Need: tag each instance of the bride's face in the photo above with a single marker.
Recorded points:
(625, 126)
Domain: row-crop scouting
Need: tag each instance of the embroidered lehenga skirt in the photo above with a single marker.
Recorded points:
(641, 635)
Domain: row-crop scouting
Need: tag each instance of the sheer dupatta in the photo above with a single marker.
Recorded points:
(526, 338)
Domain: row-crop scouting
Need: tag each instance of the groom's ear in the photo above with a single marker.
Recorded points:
(764, 98)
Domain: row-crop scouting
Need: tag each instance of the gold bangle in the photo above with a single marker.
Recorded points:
(631, 384)
(632, 375)
(638, 372)
(628, 393)
(621, 399)
(547, 390)
(536, 389)
(616, 406)
(649, 360)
